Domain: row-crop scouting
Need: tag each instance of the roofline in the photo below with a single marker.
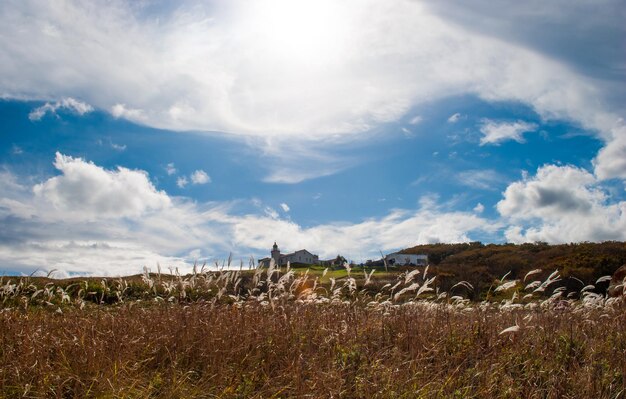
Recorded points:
(292, 253)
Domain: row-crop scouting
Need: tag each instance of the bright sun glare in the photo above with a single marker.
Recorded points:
(304, 31)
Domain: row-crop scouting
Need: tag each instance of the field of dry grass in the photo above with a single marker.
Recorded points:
(279, 334)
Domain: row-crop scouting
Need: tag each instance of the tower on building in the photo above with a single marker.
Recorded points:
(276, 253)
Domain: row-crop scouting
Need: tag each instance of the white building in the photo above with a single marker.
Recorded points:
(302, 256)
(399, 259)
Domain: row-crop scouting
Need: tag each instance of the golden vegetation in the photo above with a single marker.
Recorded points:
(579, 264)
(293, 333)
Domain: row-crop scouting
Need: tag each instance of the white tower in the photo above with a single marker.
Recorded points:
(276, 254)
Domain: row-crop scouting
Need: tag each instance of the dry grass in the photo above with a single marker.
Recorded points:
(272, 334)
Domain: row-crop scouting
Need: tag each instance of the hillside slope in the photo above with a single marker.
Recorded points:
(482, 264)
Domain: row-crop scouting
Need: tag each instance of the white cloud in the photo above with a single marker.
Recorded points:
(17, 150)
(121, 111)
(454, 118)
(62, 224)
(68, 104)
(170, 169)
(91, 220)
(561, 204)
(118, 147)
(611, 160)
(407, 133)
(416, 120)
(484, 179)
(11, 193)
(182, 182)
(293, 161)
(96, 192)
(98, 258)
(271, 213)
(285, 207)
(495, 132)
(578, 32)
(268, 70)
(399, 229)
(200, 177)
(115, 146)
(288, 176)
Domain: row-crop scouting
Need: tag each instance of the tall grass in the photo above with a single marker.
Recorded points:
(281, 333)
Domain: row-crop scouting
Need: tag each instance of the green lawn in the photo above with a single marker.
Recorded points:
(356, 272)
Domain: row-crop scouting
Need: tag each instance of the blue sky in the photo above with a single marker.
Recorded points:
(137, 133)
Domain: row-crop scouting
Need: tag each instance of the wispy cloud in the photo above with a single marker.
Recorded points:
(495, 132)
(271, 213)
(294, 161)
(118, 147)
(454, 118)
(170, 169)
(121, 111)
(182, 181)
(207, 83)
(109, 142)
(68, 104)
(314, 93)
(479, 208)
(200, 177)
(483, 179)
(407, 133)
(416, 120)
(287, 176)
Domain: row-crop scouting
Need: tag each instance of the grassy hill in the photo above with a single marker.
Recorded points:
(482, 264)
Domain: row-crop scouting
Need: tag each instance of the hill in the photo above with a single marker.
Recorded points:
(482, 264)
